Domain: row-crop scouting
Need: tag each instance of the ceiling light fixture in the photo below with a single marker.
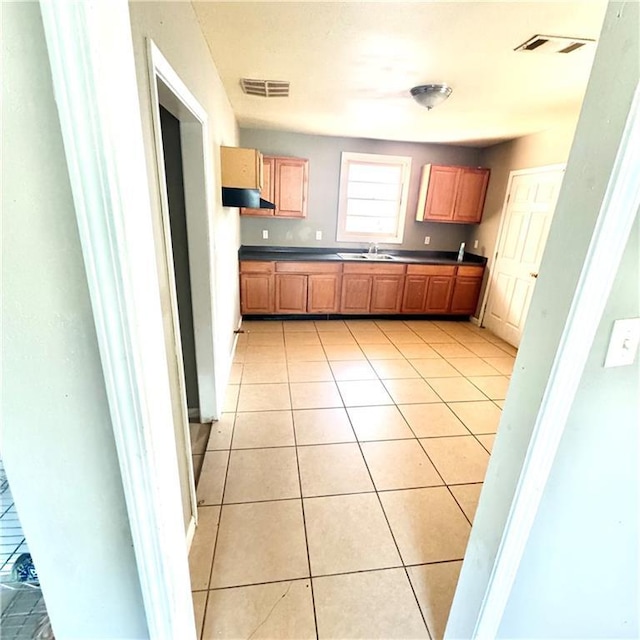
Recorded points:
(431, 95)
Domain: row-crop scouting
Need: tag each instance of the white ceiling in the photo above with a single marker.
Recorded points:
(351, 65)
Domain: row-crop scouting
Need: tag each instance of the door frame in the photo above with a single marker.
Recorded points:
(501, 229)
(166, 88)
(196, 157)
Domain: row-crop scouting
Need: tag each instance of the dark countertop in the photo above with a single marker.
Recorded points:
(313, 254)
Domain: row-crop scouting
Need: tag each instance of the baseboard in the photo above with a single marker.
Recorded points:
(474, 320)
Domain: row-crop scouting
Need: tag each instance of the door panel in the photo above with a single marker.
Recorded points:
(356, 293)
(439, 294)
(324, 293)
(527, 219)
(415, 293)
(443, 184)
(291, 187)
(386, 294)
(291, 293)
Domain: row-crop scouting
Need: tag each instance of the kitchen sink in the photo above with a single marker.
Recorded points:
(366, 256)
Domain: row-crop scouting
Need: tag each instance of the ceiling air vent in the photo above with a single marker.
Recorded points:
(265, 88)
(554, 44)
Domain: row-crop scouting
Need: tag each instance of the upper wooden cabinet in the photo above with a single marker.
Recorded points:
(452, 194)
(241, 168)
(285, 184)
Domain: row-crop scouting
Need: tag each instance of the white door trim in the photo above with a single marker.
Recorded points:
(92, 63)
(493, 258)
(609, 239)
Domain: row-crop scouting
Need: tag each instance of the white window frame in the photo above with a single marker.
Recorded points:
(404, 162)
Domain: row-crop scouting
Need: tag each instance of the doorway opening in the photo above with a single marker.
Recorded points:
(185, 262)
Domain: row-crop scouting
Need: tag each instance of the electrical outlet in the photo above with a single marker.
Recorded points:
(265, 234)
(475, 244)
(318, 235)
(427, 239)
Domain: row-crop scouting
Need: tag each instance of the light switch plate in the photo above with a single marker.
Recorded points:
(475, 244)
(318, 235)
(427, 239)
(623, 344)
(265, 234)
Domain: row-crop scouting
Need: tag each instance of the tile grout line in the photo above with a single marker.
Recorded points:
(218, 525)
(304, 519)
(395, 542)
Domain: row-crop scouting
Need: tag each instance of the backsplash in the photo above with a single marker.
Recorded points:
(324, 154)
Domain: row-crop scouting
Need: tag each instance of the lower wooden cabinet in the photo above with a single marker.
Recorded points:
(256, 293)
(386, 294)
(299, 288)
(428, 289)
(372, 288)
(323, 293)
(466, 290)
(356, 293)
(291, 293)
(307, 287)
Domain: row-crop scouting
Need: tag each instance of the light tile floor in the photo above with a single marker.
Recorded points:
(336, 494)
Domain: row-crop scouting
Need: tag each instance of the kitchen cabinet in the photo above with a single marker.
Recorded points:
(307, 287)
(289, 287)
(466, 290)
(452, 194)
(241, 168)
(428, 289)
(372, 288)
(285, 184)
(256, 287)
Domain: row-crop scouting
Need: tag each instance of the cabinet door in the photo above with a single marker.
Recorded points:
(356, 294)
(267, 192)
(439, 294)
(386, 294)
(441, 194)
(415, 292)
(323, 293)
(291, 179)
(291, 293)
(472, 190)
(465, 295)
(256, 293)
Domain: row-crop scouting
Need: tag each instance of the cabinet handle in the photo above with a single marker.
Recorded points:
(533, 275)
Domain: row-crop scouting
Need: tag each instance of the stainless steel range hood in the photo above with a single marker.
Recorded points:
(248, 198)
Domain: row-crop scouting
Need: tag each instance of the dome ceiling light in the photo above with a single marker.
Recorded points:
(431, 95)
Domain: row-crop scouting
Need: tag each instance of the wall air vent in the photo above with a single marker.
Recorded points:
(265, 88)
(554, 44)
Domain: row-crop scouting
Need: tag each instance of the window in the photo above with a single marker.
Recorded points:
(373, 197)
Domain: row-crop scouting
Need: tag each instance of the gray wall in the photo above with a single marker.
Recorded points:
(58, 445)
(324, 154)
(590, 505)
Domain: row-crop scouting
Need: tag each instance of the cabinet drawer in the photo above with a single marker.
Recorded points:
(308, 267)
(472, 272)
(253, 266)
(430, 270)
(375, 269)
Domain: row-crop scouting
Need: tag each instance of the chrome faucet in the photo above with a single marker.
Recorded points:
(373, 247)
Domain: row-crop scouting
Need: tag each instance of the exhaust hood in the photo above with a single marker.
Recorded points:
(248, 198)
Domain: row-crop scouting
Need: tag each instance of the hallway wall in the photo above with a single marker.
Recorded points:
(58, 445)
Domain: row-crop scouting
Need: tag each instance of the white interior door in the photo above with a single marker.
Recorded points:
(530, 203)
